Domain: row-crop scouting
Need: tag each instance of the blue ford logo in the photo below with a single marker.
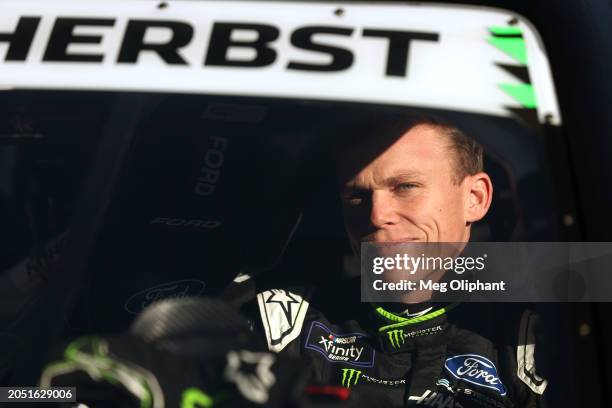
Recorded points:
(476, 370)
(170, 290)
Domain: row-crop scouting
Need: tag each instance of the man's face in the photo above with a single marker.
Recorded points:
(409, 193)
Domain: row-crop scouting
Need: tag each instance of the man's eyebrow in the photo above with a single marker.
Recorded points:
(397, 178)
(401, 177)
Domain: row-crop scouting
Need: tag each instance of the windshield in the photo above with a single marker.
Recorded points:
(209, 187)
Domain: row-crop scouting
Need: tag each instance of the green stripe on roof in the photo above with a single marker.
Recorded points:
(500, 30)
(523, 93)
(514, 47)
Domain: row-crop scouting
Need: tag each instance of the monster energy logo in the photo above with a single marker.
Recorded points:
(396, 338)
(347, 377)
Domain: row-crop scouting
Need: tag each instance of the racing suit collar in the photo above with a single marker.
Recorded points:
(397, 333)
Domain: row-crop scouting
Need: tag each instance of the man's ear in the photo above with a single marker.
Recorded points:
(479, 195)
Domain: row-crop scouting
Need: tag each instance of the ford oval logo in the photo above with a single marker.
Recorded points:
(170, 290)
(476, 370)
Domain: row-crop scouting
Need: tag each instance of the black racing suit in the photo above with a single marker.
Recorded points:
(438, 355)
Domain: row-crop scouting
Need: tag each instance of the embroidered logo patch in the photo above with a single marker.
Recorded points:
(476, 370)
(282, 314)
(340, 348)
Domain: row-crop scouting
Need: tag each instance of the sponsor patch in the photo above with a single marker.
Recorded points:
(397, 337)
(351, 376)
(340, 348)
(476, 370)
(282, 315)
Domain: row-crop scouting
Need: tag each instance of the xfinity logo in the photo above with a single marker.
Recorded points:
(340, 348)
(339, 352)
(230, 44)
(476, 370)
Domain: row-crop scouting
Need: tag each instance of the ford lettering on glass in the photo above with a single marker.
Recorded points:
(170, 290)
(476, 370)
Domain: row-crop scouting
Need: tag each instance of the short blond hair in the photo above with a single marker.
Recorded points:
(375, 130)
(468, 153)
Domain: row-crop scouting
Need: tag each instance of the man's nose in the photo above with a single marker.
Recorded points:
(382, 213)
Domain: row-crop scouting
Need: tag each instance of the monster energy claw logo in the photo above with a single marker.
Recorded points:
(350, 376)
(396, 338)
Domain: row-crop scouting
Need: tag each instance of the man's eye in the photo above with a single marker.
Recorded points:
(405, 186)
(354, 197)
(353, 200)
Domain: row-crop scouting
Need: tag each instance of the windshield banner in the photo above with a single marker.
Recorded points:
(468, 59)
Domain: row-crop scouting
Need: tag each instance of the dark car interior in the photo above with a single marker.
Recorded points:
(110, 202)
(209, 187)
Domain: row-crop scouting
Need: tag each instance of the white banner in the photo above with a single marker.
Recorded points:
(448, 57)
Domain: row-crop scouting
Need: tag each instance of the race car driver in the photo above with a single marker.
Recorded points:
(428, 185)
